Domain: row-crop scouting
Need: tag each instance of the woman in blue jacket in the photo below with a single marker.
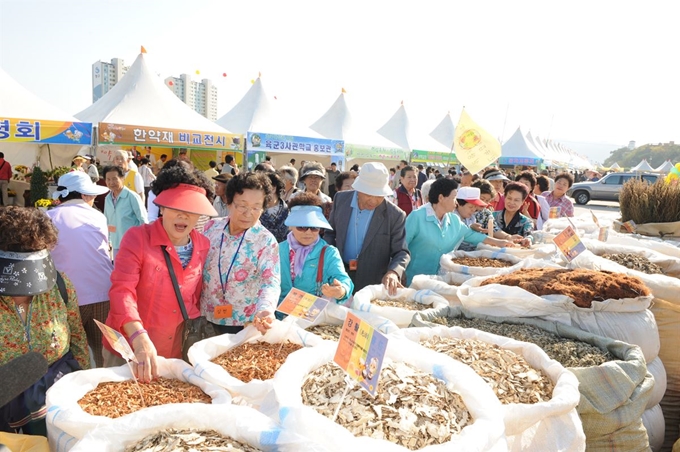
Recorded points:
(303, 251)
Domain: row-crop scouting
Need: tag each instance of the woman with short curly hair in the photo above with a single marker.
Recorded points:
(241, 281)
(38, 313)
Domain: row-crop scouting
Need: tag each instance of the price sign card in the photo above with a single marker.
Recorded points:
(603, 235)
(569, 243)
(117, 341)
(554, 212)
(302, 305)
(360, 352)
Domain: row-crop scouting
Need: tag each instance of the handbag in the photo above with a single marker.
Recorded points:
(195, 330)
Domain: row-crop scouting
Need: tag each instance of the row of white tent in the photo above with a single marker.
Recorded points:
(141, 98)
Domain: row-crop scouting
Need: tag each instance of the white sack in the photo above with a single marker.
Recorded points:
(446, 264)
(335, 314)
(445, 285)
(658, 371)
(400, 316)
(653, 421)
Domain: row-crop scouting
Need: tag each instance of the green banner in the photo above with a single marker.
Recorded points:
(361, 151)
(419, 156)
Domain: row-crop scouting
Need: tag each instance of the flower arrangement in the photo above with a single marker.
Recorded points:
(54, 174)
(46, 203)
(23, 169)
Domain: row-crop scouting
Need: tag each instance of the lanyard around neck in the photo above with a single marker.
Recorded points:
(224, 283)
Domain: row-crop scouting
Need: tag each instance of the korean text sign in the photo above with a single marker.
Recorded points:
(569, 243)
(302, 305)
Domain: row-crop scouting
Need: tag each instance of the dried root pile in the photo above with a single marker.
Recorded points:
(481, 262)
(584, 286)
(568, 352)
(173, 440)
(635, 262)
(399, 303)
(255, 360)
(411, 407)
(327, 332)
(509, 375)
(118, 398)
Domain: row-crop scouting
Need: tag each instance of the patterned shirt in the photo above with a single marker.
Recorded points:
(481, 217)
(52, 329)
(273, 219)
(254, 283)
(563, 202)
(522, 227)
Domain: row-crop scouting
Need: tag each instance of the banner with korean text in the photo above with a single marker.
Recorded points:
(269, 142)
(361, 151)
(16, 130)
(110, 133)
(419, 156)
(474, 146)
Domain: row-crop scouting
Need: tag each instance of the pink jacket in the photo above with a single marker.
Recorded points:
(141, 288)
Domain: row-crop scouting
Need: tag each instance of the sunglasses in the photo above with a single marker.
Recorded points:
(306, 228)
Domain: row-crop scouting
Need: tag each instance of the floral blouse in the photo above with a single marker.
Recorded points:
(522, 226)
(254, 283)
(52, 328)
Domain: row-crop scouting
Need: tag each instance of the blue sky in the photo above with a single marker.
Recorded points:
(594, 74)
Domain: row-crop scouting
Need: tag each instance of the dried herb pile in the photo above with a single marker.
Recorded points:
(255, 360)
(584, 286)
(190, 440)
(411, 407)
(327, 332)
(399, 303)
(481, 262)
(118, 398)
(510, 376)
(635, 262)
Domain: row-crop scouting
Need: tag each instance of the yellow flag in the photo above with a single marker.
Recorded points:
(143, 49)
(475, 148)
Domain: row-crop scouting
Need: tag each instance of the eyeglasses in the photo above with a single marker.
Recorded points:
(245, 209)
(306, 228)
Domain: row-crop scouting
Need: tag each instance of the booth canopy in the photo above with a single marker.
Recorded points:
(518, 151)
(252, 113)
(642, 166)
(666, 168)
(141, 110)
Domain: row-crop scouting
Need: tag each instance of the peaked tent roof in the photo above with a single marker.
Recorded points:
(665, 168)
(141, 98)
(18, 102)
(252, 113)
(518, 147)
(642, 166)
(444, 132)
(396, 129)
(336, 122)
(615, 166)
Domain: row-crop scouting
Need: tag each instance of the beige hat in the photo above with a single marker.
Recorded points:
(373, 179)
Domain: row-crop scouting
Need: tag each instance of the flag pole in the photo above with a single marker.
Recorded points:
(453, 144)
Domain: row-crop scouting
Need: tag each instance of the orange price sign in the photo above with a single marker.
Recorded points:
(360, 352)
(569, 243)
(302, 305)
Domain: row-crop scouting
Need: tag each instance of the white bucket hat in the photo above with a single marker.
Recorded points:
(373, 180)
(80, 182)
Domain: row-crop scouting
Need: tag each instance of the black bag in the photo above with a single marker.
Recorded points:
(195, 330)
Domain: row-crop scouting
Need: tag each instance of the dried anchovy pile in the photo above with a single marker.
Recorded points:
(404, 304)
(481, 262)
(568, 352)
(327, 332)
(635, 262)
(509, 375)
(117, 398)
(411, 407)
(255, 360)
(190, 440)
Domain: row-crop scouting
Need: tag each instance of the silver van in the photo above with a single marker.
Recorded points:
(607, 188)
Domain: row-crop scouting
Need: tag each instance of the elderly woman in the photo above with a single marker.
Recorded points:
(510, 219)
(312, 175)
(558, 197)
(433, 230)
(131, 179)
(144, 305)
(82, 251)
(289, 175)
(497, 180)
(38, 313)
(303, 254)
(241, 280)
(122, 208)
(274, 216)
(344, 181)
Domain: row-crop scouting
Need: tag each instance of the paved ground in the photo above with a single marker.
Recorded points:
(596, 206)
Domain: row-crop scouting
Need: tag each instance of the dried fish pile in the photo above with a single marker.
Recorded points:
(509, 375)
(568, 352)
(255, 360)
(635, 262)
(481, 262)
(399, 303)
(191, 440)
(411, 408)
(118, 398)
(327, 332)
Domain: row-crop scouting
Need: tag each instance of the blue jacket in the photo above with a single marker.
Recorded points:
(128, 211)
(333, 268)
(427, 240)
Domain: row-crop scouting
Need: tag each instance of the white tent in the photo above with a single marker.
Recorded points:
(615, 167)
(17, 102)
(445, 131)
(642, 166)
(518, 151)
(254, 112)
(396, 129)
(665, 168)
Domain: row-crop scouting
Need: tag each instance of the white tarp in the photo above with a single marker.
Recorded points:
(518, 147)
(642, 166)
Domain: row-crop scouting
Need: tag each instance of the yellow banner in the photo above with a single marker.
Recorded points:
(474, 146)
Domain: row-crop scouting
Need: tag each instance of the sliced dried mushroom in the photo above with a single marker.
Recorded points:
(401, 303)
(327, 332)
(635, 262)
(172, 440)
(411, 407)
(255, 360)
(509, 375)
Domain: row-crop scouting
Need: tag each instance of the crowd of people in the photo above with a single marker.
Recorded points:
(176, 243)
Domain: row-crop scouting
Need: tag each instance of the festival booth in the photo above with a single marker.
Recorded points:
(518, 152)
(642, 167)
(436, 149)
(336, 124)
(33, 131)
(141, 112)
(665, 168)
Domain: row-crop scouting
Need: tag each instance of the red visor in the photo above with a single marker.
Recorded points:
(187, 198)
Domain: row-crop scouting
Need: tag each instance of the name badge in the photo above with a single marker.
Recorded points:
(222, 312)
(112, 228)
(353, 264)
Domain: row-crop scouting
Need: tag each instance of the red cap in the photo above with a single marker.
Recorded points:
(187, 198)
